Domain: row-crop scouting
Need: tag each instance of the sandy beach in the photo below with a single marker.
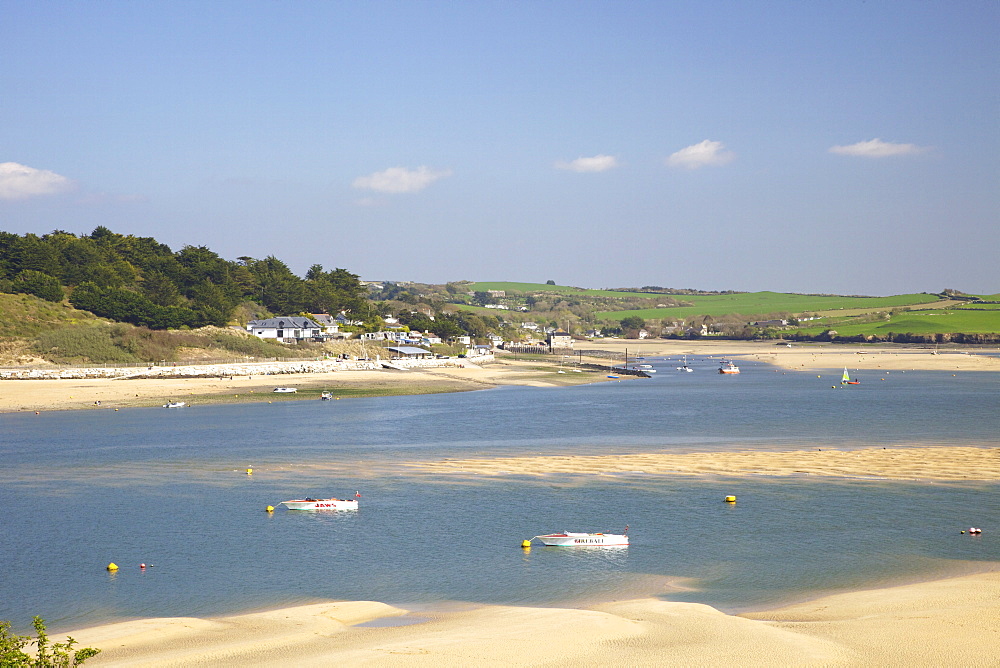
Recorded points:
(952, 622)
(83, 394)
(68, 394)
(813, 356)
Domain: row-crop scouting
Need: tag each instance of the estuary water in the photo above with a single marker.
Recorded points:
(169, 488)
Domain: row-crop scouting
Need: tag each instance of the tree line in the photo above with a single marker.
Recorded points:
(141, 281)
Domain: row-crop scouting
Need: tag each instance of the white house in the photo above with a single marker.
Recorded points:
(287, 329)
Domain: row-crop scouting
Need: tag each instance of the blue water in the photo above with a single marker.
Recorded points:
(168, 488)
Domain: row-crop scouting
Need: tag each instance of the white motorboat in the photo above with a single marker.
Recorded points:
(285, 390)
(326, 396)
(573, 539)
(321, 504)
(175, 404)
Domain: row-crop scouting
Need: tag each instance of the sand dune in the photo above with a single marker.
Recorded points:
(948, 622)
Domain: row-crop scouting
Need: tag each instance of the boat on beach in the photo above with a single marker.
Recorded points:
(729, 368)
(175, 404)
(285, 390)
(574, 539)
(321, 504)
(326, 396)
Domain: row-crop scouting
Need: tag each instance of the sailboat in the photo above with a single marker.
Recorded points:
(685, 367)
(846, 379)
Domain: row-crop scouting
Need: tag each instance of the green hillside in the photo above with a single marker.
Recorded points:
(762, 303)
(913, 322)
(528, 288)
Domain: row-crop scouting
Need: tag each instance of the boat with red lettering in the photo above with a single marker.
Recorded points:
(321, 504)
(573, 539)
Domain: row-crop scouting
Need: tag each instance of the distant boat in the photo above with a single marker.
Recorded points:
(613, 376)
(685, 366)
(285, 390)
(326, 396)
(175, 404)
(846, 379)
(729, 368)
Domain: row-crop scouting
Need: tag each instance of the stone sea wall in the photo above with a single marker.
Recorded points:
(237, 369)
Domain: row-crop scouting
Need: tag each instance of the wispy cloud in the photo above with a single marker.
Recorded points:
(20, 182)
(400, 179)
(598, 163)
(876, 148)
(703, 154)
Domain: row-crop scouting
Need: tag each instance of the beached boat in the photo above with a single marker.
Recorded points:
(326, 396)
(729, 368)
(175, 404)
(321, 504)
(846, 379)
(572, 539)
(285, 390)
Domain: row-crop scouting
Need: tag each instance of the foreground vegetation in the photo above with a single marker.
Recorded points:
(12, 654)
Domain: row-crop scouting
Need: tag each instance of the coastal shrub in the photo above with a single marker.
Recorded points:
(83, 344)
(56, 655)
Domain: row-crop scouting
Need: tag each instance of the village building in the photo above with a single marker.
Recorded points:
(287, 329)
(560, 339)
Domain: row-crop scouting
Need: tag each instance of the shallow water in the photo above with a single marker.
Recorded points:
(169, 489)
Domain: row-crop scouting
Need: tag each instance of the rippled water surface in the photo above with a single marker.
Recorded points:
(169, 488)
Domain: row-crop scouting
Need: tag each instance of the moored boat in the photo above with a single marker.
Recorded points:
(729, 368)
(321, 504)
(574, 539)
(326, 396)
(174, 404)
(846, 379)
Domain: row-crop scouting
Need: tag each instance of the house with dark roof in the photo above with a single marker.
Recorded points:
(286, 329)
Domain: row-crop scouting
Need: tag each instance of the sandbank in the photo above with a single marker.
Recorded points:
(945, 463)
(946, 622)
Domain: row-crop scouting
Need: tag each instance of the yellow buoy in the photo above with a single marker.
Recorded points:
(112, 566)
(270, 509)
(730, 499)
(525, 543)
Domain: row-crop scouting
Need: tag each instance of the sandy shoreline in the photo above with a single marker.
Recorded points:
(953, 621)
(65, 394)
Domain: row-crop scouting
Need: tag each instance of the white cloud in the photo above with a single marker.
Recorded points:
(876, 148)
(703, 154)
(599, 163)
(400, 179)
(20, 181)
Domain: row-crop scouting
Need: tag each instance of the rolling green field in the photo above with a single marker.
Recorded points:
(916, 322)
(754, 303)
(561, 289)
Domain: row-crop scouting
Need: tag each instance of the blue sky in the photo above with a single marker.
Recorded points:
(834, 147)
